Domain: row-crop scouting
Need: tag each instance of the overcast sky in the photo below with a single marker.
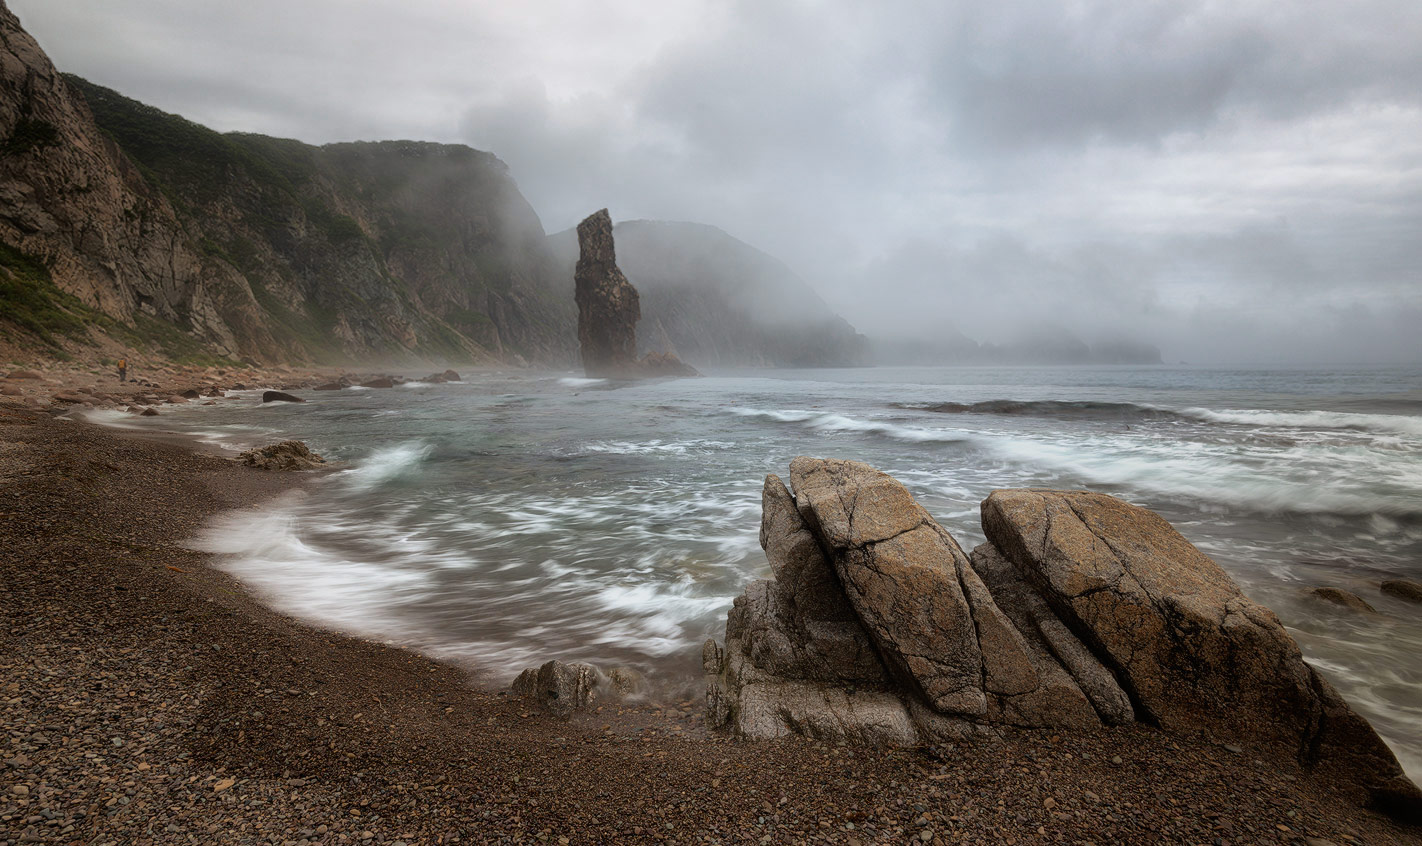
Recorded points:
(1231, 179)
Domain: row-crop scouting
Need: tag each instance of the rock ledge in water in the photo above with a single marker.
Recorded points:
(287, 455)
(1079, 610)
(280, 396)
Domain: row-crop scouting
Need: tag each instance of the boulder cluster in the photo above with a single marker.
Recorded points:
(1079, 610)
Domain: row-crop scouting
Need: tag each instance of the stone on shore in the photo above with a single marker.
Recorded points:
(280, 396)
(382, 382)
(559, 688)
(1196, 654)
(451, 376)
(1079, 610)
(287, 455)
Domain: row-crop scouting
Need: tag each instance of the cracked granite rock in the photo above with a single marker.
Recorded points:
(1080, 610)
(1193, 651)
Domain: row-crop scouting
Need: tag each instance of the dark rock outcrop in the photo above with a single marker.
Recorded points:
(710, 298)
(559, 688)
(1403, 589)
(280, 396)
(287, 455)
(1342, 598)
(608, 305)
(382, 382)
(1079, 610)
(608, 311)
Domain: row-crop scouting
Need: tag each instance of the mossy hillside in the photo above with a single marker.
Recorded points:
(30, 301)
(373, 234)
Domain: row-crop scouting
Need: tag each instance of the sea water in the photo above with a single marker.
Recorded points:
(516, 517)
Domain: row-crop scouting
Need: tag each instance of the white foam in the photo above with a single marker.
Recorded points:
(830, 422)
(1393, 423)
(1300, 479)
(579, 382)
(265, 550)
(386, 464)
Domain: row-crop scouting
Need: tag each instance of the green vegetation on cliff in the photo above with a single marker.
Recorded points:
(356, 249)
(30, 301)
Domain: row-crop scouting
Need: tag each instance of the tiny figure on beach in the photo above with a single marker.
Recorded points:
(123, 369)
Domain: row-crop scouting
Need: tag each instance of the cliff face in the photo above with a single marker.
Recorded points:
(270, 249)
(70, 199)
(715, 300)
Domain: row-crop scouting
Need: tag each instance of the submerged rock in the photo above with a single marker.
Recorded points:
(1403, 589)
(287, 455)
(1079, 610)
(280, 396)
(1342, 598)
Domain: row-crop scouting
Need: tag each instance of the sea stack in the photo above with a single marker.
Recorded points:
(608, 305)
(608, 310)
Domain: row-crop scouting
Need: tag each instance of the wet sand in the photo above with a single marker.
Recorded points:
(146, 697)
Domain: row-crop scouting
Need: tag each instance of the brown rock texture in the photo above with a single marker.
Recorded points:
(1400, 588)
(287, 455)
(1194, 653)
(1342, 598)
(264, 248)
(559, 688)
(608, 305)
(1081, 610)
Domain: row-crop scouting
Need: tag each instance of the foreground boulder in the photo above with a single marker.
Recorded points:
(287, 455)
(1080, 610)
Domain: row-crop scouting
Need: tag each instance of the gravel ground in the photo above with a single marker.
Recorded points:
(147, 698)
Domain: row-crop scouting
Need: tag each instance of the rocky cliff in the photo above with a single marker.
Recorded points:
(714, 300)
(262, 248)
(1080, 610)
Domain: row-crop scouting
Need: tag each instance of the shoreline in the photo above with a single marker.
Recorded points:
(150, 698)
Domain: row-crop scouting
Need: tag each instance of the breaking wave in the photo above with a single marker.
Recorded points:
(1386, 423)
(830, 422)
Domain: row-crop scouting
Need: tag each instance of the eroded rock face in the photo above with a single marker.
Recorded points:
(1193, 651)
(1080, 610)
(608, 305)
(559, 688)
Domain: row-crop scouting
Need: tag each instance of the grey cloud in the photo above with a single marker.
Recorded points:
(1236, 179)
